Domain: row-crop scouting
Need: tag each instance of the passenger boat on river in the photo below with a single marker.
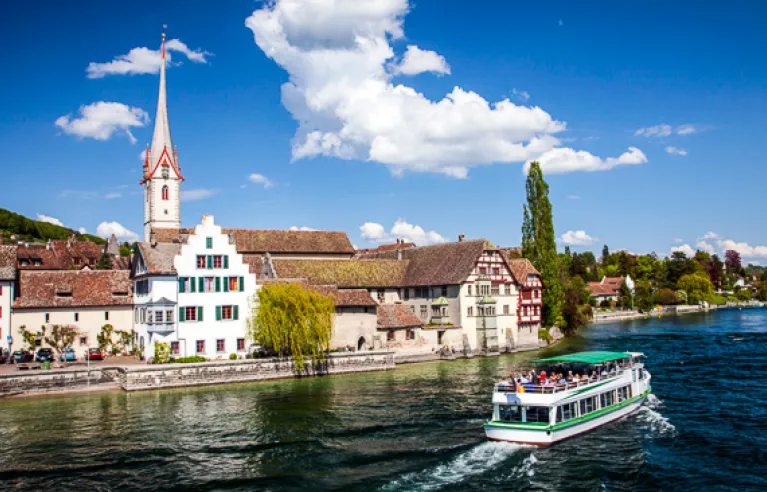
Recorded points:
(544, 412)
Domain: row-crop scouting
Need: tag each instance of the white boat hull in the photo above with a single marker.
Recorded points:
(496, 432)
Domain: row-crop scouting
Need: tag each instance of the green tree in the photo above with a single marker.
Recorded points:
(293, 320)
(104, 262)
(697, 286)
(125, 250)
(576, 311)
(625, 296)
(539, 242)
(605, 259)
(744, 295)
(761, 292)
(666, 297)
(61, 337)
(643, 296)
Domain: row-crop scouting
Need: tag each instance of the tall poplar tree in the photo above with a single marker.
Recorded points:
(539, 242)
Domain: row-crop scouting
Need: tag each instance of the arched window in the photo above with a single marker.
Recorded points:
(165, 192)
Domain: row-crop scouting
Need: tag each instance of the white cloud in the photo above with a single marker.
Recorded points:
(106, 229)
(564, 160)
(573, 197)
(662, 130)
(684, 130)
(82, 230)
(302, 228)
(417, 61)
(260, 179)
(678, 240)
(711, 235)
(577, 238)
(524, 95)
(143, 60)
(112, 195)
(196, 194)
(705, 246)
(100, 120)
(685, 248)
(401, 229)
(49, 219)
(142, 155)
(745, 249)
(339, 54)
(675, 151)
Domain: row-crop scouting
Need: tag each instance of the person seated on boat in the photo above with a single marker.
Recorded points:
(542, 378)
(594, 375)
(523, 380)
(562, 380)
(576, 378)
(570, 377)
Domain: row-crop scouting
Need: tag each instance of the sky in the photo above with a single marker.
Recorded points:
(389, 118)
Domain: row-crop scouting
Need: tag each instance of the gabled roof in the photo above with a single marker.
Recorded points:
(8, 261)
(520, 268)
(159, 257)
(608, 286)
(394, 316)
(439, 264)
(346, 297)
(343, 273)
(386, 247)
(64, 288)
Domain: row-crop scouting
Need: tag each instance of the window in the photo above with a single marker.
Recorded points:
(233, 284)
(106, 315)
(182, 281)
(588, 405)
(410, 335)
(200, 346)
(496, 271)
(218, 261)
(537, 414)
(622, 394)
(406, 294)
(165, 192)
(209, 284)
(566, 412)
(390, 336)
(142, 287)
(524, 311)
(412, 309)
(607, 399)
(83, 341)
(505, 309)
(240, 345)
(200, 261)
(444, 291)
(510, 413)
(424, 313)
(143, 316)
(470, 311)
(495, 289)
(158, 316)
(169, 316)
(149, 317)
(440, 337)
(77, 316)
(220, 345)
(174, 348)
(482, 271)
(468, 290)
(227, 312)
(191, 313)
(209, 242)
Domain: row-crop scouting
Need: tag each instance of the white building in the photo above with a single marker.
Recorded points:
(195, 295)
(7, 280)
(162, 172)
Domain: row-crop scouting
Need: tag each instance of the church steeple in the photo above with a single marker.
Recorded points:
(162, 173)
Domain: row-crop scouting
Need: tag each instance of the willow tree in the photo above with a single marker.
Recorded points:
(293, 320)
(539, 242)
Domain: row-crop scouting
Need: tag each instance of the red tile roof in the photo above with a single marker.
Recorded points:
(63, 254)
(386, 247)
(64, 288)
(609, 286)
(343, 273)
(159, 257)
(8, 261)
(520, 268)
(393, 316)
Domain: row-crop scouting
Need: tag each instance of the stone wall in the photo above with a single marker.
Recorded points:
(221, 372)
(31, 382)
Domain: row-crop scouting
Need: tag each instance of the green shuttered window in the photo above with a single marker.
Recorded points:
(218, 313)
(210, 261)
(209, 242)
(201, 284)
(241, 283)
(181, 314)
(218, 284)
(182, 284)
(199, 313)
(235, 312)
(192, 284)
(226, 261)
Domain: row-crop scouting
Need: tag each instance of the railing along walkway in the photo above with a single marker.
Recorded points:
(550, 388)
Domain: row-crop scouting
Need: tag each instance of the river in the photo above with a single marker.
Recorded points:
(416, 428)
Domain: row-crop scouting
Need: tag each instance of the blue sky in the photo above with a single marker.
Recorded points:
(378, 145)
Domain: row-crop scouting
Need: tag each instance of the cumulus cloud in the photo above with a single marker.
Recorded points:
(196, 194)
(100, 120)
(576, 238)
(675, 151)
(711, 235)
(685, 248)
(143, 60)
(341, 64)
(302, 228)
(705, 246)
(745, 249)
(375, 232)
(106, 229)
(49, 219)
(524, 95)
(564, 160)
(417, 61)
(260, 179)
(713, 243)
(82, 230)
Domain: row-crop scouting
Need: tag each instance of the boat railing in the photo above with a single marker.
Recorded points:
(550, 388)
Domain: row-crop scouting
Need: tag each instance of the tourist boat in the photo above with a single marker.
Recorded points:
(544, 413)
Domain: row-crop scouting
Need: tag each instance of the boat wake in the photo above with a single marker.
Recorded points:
(654, 402)
(657, 424)
(474, 461)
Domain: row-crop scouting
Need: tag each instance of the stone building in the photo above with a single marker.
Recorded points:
(7, 284)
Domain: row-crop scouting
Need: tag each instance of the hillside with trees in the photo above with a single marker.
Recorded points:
(26, 229)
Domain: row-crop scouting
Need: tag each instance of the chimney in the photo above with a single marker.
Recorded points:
(461, 237)
(153, 238)
(48, 245)
(399, 254)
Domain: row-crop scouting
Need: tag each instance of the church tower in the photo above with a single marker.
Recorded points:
(162, 174)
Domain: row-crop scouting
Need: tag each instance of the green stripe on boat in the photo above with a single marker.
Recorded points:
(595, 357)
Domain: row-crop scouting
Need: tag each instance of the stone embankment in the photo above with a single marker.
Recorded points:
(136, 378)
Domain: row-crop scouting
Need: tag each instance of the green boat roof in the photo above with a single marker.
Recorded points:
(596, 357)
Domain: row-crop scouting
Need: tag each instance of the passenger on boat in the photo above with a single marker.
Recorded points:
(570, 376)
(542, 377)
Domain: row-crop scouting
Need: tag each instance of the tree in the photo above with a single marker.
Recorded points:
(625, 296)
(697, 286)
(539, 242)
(61, 338)
(744, 295)
(104, 339)
(605, 260)
(666, 297)
(716, 271)
(761, 292)
(677, 266)
(643, 298)
(732, 261)
(575, 311)
(293, 320)
(125, 250)
(104, 262)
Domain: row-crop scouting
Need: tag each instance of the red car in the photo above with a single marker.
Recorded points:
(94, 354)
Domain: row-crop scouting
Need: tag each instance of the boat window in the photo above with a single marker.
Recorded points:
(510, 413)
(537, 414)
(623, 394)
(566, 412)
(588, 405)
(607, 399)
(641, 373)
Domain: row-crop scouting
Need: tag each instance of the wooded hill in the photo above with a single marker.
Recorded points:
(25, 229)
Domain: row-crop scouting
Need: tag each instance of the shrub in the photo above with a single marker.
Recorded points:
(717, 300)
(189, 360)
(666, 297)
(605, 303)
(543, 334)
(162, 353)
(232, 356)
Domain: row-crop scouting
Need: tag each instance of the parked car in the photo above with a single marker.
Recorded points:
(45, 354)
(22, 356)
(94, 354)
(4, 356)
(68, 355)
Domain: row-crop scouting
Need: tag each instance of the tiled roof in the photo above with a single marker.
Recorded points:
(8, 261)
(63, 254)
(254, 262)
(609, 286)
(439, 264)
(512, 252)
(393, 316)
(386, 247)
(344, 273)
(159, 258)
(171, 235)
(354, 297)
(63, 288)
(520, 268)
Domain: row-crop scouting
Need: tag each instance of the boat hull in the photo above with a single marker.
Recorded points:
(546, 437)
